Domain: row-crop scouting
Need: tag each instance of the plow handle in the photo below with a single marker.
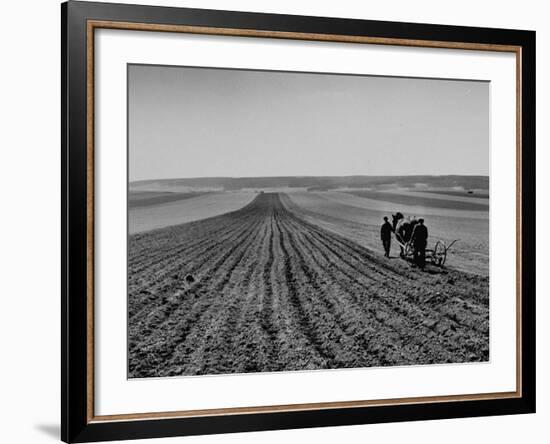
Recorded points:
(447, 248)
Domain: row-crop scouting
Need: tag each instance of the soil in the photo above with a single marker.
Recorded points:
(272, 291)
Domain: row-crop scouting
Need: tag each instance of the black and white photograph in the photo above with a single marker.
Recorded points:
(291, 221)
(229, 221)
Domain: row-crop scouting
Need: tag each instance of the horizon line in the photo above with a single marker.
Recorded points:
(311, 176)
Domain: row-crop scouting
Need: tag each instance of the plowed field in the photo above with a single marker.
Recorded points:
(273, 292)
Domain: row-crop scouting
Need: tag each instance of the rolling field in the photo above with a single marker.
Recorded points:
(421, 200)
(147, 198)
(164, 209)
(273, 291)
(474, 194)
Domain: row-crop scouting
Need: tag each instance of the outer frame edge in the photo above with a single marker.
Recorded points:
(528, 206)
(145, 429)
(73, 172)
(72, 428)
(63, 180)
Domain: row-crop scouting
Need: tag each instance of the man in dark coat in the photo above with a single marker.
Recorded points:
(385, 235)
(420, 240)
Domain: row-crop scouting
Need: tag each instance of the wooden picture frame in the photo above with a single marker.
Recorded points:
(79, 22)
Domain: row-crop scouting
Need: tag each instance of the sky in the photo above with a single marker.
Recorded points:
(205, 122)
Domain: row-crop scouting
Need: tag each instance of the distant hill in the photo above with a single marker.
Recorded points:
(316, 182)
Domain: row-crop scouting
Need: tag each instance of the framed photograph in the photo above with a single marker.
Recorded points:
(275, 221)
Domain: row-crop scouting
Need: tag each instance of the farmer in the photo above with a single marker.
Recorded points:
(419, 240)
(385, 236)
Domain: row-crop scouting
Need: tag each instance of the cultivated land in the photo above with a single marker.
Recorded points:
(279, 286)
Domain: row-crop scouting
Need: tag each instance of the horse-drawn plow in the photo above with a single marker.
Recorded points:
(436, 255)
(404, 228)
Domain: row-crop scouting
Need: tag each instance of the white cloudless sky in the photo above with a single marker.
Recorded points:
(204, 122)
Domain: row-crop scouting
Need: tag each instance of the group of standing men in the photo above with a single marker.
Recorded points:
(418, 239)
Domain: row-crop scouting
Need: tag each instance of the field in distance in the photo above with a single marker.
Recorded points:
(454, 207)
(288, 277)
